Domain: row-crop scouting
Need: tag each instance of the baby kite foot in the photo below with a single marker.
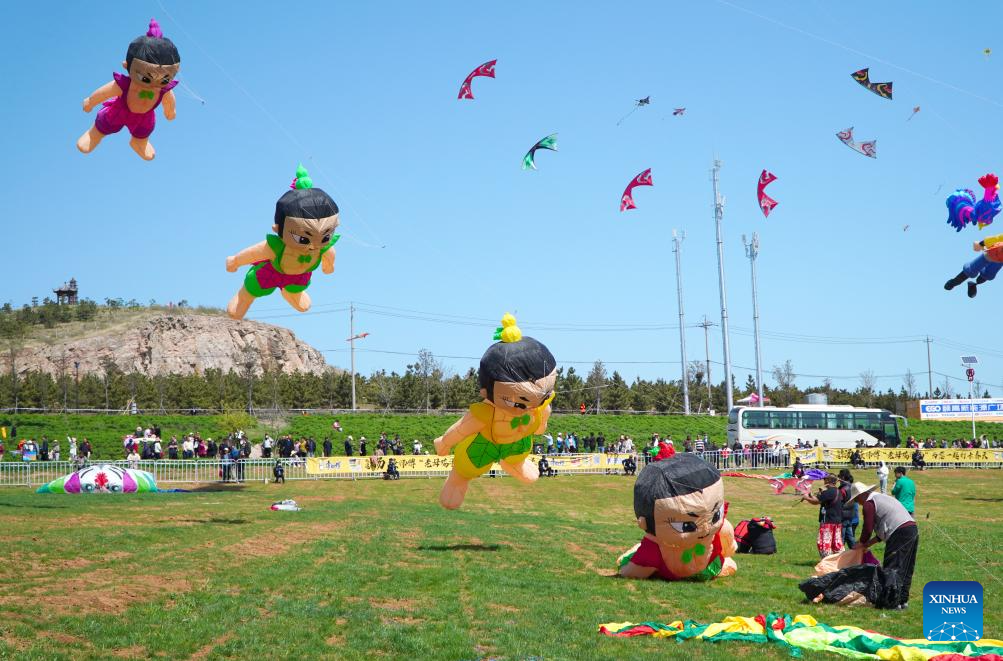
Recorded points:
(90, 140)
(143, 147)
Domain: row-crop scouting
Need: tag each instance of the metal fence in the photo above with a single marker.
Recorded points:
(203, 471)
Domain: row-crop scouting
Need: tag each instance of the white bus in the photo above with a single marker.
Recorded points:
(831, 426)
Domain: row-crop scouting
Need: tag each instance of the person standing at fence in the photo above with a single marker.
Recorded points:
(328, 447)
(73, 447)
(279, 471)
(54, 452)
(348, 446)
(601, 442)
(882, 473)
(904, 490)
(133, 459)
(362, 446)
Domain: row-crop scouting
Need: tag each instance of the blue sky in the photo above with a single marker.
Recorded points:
(438, 217)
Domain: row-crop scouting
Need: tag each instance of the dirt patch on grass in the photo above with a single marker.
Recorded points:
(335, 640)
(15, 643)
(404, 620)
(504, 609)
(278, 540)
(101, 591)
(206, 650)
(132, 652)
(408, 605)
(65, 638)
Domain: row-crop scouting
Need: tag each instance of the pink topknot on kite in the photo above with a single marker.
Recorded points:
(155, 30)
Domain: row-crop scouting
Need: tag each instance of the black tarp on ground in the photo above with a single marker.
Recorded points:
(880, 586)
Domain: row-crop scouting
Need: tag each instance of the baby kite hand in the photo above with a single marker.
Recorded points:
(977, 246)
(170, 114)
(231, 264)
(88, 106)
(440, 447)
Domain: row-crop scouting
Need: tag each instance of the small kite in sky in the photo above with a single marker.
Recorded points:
(487, 70)
(884, 90)
(678, 112)
(905, 228)
(987, 51)
(869, 148)
(915, 109)
(637, 104)
(627, 199)
(550, 142)
(766, 203)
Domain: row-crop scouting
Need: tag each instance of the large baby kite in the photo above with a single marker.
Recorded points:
(129, 102)
(679, 504)
(517, 377)
(305, 220)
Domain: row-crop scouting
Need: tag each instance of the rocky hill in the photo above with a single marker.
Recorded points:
(173, 343)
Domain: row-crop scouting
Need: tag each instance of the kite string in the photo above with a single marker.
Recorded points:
(862, 54)
(264, 111)
(964, 550)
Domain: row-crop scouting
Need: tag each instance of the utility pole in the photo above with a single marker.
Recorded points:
(706, 346)
(929, 369)
(677, 241)
(76, 384)
(752, 251)
(351, 341)
(718, 217)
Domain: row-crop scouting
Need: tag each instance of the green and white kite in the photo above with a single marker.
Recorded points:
(550, 142)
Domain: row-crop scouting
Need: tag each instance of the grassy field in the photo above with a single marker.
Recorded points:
(376, 568)
(106, 431)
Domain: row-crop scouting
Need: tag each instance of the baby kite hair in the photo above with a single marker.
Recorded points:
(516, 358)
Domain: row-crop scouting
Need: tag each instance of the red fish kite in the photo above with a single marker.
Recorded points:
(766, 203)
(627, 199)
(487, 69)
(884, 90)
(915, 109)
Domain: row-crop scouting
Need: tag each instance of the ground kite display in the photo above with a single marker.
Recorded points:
(305, 220)
(766, 203)
(884, 90)
(487, 70)
(529, 160)
(104, 478)
(679, 504)
(517, 377)
(129, 101)
(627, 199)
(869, 148)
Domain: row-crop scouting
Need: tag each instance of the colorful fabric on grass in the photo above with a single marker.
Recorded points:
(803, 632)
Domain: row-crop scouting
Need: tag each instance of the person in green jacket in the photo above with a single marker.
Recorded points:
(904, 490)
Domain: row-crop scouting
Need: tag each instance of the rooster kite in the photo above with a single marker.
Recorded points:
(766, 203)
(627, 199)
(884, 90)
(487, 69)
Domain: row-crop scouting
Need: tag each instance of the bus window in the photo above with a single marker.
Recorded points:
(831, 420)
(891, 434)
(811, 420)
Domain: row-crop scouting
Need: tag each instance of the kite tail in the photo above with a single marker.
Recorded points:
(960, 206)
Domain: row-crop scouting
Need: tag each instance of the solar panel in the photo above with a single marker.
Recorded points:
(969, 360)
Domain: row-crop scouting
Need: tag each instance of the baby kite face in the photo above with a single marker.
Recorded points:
(308, 234)
(682, 521)
(517, 398)
(147, 74)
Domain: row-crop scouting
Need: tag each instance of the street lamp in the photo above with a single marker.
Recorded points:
(76, 384)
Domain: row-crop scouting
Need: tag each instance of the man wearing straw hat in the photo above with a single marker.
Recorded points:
(889, 522)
